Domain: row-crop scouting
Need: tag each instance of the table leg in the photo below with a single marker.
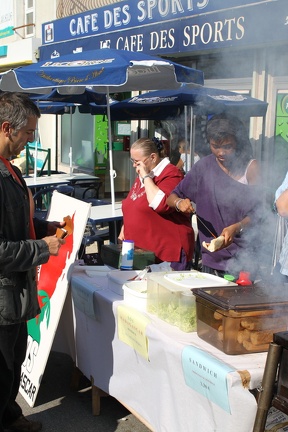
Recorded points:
(76, 376)
(97, 393)
(114, 230)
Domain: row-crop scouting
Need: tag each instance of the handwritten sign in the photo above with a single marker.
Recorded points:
(132, 329)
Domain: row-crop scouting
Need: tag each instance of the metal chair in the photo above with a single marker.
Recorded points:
(85, 186)
(42, 198)
(93, 233)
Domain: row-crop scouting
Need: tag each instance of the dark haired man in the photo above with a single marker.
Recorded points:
(25, 243)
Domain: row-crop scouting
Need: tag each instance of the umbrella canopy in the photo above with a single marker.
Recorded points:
(86, 97)
(94, 108)
(46, 107)
(120, 70)
(203, 101)
(104, 70)
(160, 105)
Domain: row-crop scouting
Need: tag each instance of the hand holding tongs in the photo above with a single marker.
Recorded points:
(193, 212)
(205, 226)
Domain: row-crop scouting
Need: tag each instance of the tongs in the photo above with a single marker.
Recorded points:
(141, 275)
(205, 226)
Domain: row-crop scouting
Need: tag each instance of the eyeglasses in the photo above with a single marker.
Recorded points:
(134, 161)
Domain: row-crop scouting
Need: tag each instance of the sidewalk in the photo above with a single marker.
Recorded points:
(60, 408)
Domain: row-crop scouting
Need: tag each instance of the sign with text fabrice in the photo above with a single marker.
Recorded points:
(53, 282)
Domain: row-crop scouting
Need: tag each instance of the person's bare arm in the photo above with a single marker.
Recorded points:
(231, 231)
(180, 204)
(121, 235)
(180, 164)
(254, 173)
(150, 187)
(282, 204)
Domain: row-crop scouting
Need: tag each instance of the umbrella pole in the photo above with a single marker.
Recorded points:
(186, 168)
(36, 139)
(70, 150)
(192, 136)
(36, 151)
(35, 160)
(112, 171)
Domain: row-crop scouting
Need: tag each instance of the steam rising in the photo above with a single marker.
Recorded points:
(260, 236)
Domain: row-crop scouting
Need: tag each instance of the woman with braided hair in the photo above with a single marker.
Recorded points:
(226, 188)
(148, 220)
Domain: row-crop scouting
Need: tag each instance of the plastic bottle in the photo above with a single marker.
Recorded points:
(127, 255)
(244, 279)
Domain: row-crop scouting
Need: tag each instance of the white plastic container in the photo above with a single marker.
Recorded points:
(169, 295)
(117, 278)
(135, 294)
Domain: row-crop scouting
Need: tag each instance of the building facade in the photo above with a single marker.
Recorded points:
(240, 45)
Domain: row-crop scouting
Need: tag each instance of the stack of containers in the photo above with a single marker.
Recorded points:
(170, 297)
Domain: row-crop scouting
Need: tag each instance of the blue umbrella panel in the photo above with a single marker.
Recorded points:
(165, 104)
(118, 70)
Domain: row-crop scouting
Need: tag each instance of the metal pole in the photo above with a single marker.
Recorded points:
(57, 144)
(71, 148)
(111, 171)
(268, 383)
(186, 168)
(192, 136)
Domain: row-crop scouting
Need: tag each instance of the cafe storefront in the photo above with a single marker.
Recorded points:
(240, 45)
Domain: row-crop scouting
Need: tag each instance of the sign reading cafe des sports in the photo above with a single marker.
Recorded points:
(167, 26)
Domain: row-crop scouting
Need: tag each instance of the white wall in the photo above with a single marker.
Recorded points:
(47, 130)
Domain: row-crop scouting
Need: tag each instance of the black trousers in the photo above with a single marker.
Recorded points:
(220, 273)
(13, 344)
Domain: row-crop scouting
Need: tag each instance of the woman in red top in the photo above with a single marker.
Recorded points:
(148, 221)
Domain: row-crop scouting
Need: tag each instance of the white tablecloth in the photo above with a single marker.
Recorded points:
(156, 389)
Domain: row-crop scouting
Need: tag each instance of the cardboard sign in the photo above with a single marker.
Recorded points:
(53, 283)
(132, 329)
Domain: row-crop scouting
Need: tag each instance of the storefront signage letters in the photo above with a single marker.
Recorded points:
(132, 14)
(182, 26)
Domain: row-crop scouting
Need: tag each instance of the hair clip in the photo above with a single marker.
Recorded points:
(158, 143)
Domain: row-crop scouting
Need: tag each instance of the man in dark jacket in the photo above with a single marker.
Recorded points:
(24, 244)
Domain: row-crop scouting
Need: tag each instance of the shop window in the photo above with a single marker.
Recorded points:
(29, 18)
(77, 132)
(281, 136)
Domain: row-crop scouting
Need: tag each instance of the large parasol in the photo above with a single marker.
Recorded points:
(104, 70)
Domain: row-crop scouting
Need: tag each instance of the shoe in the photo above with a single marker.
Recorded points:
(22, 424)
